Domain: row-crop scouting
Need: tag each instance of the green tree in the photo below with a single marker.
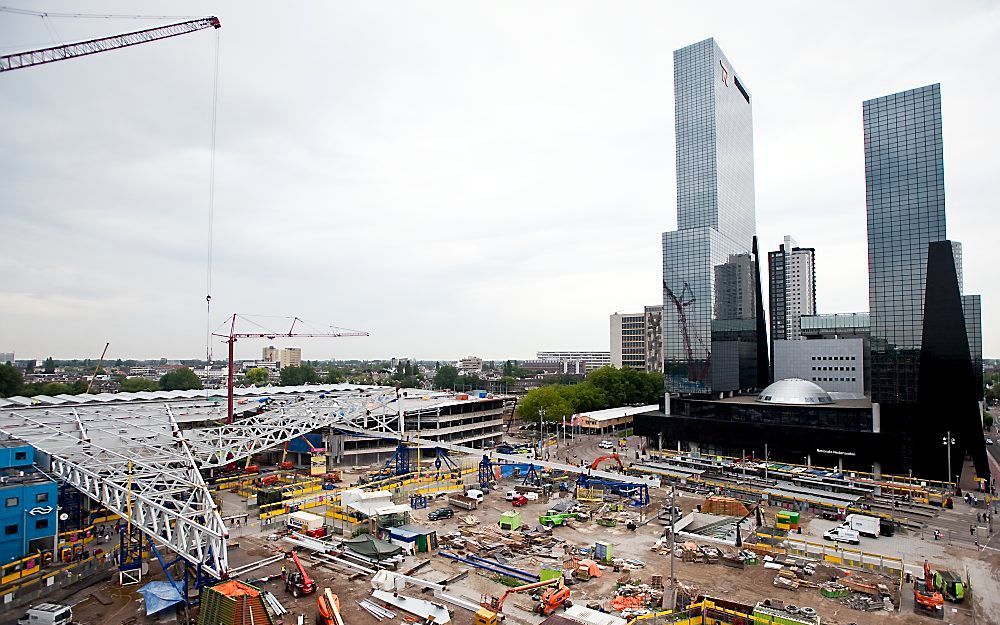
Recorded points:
(138, 385)
(988, 421)
(182, 379)
(446, 377)
(49, 366)
(258, 376)
(585, 397)
(297, 376)
(29, 367)
(11, 380)
(548, 399)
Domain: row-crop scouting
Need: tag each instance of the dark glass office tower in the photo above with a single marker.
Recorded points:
(709, 314)
(925, 333)
(904, 183)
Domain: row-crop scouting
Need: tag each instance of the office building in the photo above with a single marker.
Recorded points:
(290, 357)
(594, 359)
(835, 365)
(554, 367)
(470, 364)
(919, 331)
(6, 357)
(711, 307)
(637, 340)
(269, 354)
(28, 513)
(792, 280)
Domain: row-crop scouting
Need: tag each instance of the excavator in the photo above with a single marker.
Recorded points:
(329, 609)
(924, 595)
(492, 607)
(612, 456)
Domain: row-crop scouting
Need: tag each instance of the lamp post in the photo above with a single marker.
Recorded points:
(948, 441)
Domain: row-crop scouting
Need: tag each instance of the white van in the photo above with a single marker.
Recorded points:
(529, 495)
(843, 534)
(47, 614)
(478, 495)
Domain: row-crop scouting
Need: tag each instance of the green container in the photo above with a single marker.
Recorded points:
(603, 551)
(510, 520)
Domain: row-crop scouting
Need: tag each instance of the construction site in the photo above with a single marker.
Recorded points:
(219, 523)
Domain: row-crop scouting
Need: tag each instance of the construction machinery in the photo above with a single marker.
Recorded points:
(924, 595)
(554, 598)
(492, 607)
(329, 609)
(31, 58)
(950, 585)
(613, 456)
(555, 519)
(298, 581)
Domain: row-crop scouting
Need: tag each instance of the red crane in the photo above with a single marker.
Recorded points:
(233, 336)
(30, 58)
(696, 373)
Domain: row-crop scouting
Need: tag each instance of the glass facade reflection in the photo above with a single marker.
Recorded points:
(708, 273)
(904, 184)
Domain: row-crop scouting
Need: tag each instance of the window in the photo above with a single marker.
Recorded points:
(10, 530)
(12, 501)
(41, 497)
(20, 455)
(41, 524)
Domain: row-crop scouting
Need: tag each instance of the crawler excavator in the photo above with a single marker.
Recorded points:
(924, 595)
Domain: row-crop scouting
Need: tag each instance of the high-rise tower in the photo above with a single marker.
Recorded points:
(709, 322)
(792, 291)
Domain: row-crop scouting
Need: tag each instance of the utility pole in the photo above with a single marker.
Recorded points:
(948, 440)
(673, 521)
(765, 461)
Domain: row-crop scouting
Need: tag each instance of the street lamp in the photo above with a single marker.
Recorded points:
(948, 441)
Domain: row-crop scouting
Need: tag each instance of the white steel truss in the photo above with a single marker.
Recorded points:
(137, 461)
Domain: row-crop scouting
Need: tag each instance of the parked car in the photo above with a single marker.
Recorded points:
(511, 495)
(989, 441)
(606, 445)
(440, 513)
(519, 500)
(842, 534)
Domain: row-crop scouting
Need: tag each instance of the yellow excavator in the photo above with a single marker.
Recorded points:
(491, 612)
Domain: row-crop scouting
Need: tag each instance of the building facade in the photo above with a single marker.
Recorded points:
(269, 354)
(792, 293)
(709, 320)
(905, 198)
(291, 357)
(27, 504)
(628, 340)
(594, 359)
(470, 364)
(835, 365)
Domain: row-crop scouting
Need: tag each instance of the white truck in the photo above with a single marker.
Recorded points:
(47, 614)
(864, 525)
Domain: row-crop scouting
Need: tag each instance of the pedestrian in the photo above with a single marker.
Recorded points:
(972, 530)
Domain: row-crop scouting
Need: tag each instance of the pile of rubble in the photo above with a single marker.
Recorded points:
(537, 543)
(634, 598)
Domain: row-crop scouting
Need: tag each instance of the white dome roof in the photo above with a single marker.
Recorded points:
(794, 391)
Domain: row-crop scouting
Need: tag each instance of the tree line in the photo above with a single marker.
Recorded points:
(607, 387)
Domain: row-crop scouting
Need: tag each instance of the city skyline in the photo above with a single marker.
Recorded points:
(116, 252)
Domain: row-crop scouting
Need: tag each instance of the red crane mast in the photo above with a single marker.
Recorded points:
(233, 336)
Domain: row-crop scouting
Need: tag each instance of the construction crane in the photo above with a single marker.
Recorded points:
(233, 336)
(696, 373)
(30, 58)
(298, 581)
(97, 369)
(492, 607)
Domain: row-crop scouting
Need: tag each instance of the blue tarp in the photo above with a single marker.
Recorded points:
(160, 596)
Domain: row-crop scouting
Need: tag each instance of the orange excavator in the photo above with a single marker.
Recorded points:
(329, 609)
(492, 607)
(612, 456)
(924, 595)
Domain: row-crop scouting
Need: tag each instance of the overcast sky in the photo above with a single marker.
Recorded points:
(456, 178)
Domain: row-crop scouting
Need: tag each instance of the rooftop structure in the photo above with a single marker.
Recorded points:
(794, 391)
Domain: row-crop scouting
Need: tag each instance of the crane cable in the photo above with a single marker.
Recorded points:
(211, 209)
(17, 11)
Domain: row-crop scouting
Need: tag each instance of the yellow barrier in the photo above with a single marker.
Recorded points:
(17, 569)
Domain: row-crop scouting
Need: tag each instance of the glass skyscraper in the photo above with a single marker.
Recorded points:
(709, 320)
(904, 184)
